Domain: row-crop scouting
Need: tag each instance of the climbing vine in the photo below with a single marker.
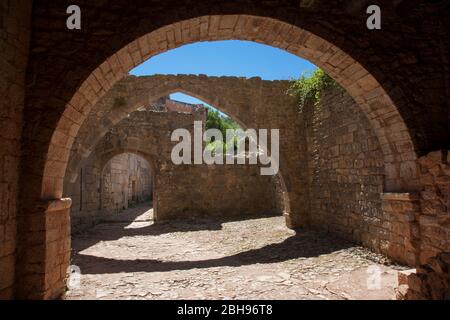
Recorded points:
(310, 86)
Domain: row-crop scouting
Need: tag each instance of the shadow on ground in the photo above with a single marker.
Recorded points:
(121, 224)
(304, 244)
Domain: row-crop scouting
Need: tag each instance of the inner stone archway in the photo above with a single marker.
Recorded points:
(186, 190)
(392, 133)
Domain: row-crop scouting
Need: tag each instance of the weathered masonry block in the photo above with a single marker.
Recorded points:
(47, 251)
(179, 192)
(407, 109)
(401, 235)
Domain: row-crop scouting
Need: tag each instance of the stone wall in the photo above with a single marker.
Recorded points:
(15, 16)
(253, 103)
(63, 86)
(98, 191)
(126, 181)
(434, 221)
(418, 223)
(226, 191)
(430, 281)
(346, 185)
(180, 191)
(346, 172)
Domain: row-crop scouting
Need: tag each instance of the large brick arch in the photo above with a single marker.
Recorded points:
(396, 143)
(76, 70)
(147, 134)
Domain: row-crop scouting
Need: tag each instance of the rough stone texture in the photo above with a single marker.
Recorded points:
(346, 170)
(14, 36)
(213, 258)
(431, 281)
(253, 103)
(108, 190)
(434, 221)
(401, 240)
(179, 191)
(216, 190)
(126, 180)
(396, 75)
(48, 249)
(70, 71)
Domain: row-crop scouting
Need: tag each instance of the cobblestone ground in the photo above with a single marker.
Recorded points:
(129, 257)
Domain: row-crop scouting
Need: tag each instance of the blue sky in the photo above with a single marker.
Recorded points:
(225, 58)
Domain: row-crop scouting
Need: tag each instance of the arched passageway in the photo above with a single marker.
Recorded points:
(108, 185)
(67, 97)
(184, 191)
(397, 145)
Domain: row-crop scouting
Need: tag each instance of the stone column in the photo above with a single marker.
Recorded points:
(435, 203)
(44, 256)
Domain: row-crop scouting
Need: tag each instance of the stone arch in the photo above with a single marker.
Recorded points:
(224, 93)
(48, 137)
(392, 132)
(143, 90)
(105, 157)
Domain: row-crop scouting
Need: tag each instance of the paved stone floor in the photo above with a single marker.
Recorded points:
(129, 257)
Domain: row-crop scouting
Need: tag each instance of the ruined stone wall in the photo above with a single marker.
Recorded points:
(430, 281)
(99, 191)
(126, 181)
(345, 165)
(253, 103)
(214, 191)
(333, 168)
(63, 86)
(15, 16)
(181, 191)
(85, 195)
(434, 221)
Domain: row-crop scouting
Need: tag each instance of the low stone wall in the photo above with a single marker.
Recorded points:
(215, 190)
(430, 226)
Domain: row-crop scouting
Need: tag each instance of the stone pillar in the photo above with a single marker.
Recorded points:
(435, 203)
(15, 18)
(401, 213)
(44, 256)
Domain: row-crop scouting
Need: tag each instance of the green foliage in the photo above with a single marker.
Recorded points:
(310, 86)
(217, 121)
